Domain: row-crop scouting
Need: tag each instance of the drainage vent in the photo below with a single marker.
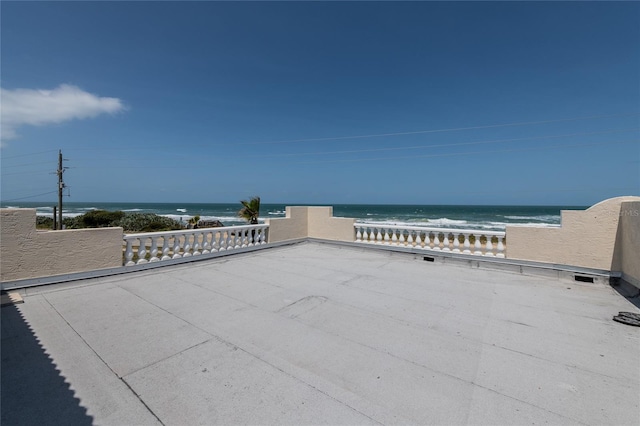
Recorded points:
(583, 278)
(429, 259)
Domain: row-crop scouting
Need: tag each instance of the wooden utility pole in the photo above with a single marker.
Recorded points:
(60, 188)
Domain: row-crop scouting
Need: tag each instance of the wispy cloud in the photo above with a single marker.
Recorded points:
(33, 107)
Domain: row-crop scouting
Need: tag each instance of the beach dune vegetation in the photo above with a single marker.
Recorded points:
(99, 218)
(130, 222)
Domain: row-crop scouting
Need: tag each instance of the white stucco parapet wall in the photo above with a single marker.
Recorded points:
(310, 222)
(586, 238)
(28, 253)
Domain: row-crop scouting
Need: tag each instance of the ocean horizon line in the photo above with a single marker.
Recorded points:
(294, 204)
(489, 217)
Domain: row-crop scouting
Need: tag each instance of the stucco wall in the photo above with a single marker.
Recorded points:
(291, 227)
(626, 257)
(323, 225)
(314, 222)
(28, 253)
(585, 238)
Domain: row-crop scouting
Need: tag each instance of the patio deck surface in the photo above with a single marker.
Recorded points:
(320, 334)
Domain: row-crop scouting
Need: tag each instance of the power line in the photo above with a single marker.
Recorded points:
(26, 155)
(469, 152)
(25, 164)
(447, 145)
(454, 129)
(514, 124)
(396, 148)
(347, 160)
(38, 172)
(30, 196)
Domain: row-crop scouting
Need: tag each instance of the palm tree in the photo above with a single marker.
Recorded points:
(250, 210)
(193, 222)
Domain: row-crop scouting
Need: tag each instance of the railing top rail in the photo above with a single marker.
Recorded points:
(187, 231)
(430, 229)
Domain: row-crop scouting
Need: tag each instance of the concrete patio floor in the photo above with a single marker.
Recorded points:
(317, 333)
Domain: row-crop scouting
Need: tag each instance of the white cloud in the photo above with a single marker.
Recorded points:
(41, 107)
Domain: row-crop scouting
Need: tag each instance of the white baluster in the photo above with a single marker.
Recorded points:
(427, 240)
(467, 244)
(228, 242)
(176, 246)
(165, 248)
(478, 244)
(401, 238)
(237, 242)
(213, 244)
(436, 241)
(217, 241)
(378, 236)
(488, 248)
(128, 253)
(154, 250)
(446, 242)
(418, 240)
(206, 246)
(394, 238)
(410, 238)
(196, 243)
(358, 234)
(142, 251)
(500, 249)
(224, 240)
(456, 242)
(186, 251)
(386, 236)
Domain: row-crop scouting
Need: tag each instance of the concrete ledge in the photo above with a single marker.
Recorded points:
(524, 267)
(56, 279)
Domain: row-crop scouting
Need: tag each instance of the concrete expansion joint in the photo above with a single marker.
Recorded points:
(141, 400)
(460, 379)
(569, 419)
(306, 382)
(151, 364)
(103, 361)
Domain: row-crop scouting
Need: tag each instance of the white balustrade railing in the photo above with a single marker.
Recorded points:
(466, 241)
(160, 246)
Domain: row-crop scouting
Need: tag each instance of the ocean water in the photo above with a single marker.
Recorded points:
(456, 216)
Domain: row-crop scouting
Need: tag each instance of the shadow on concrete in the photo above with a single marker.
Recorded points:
(628, 291)
(33, 392)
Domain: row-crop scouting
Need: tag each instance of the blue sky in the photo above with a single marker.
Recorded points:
(322, 102)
